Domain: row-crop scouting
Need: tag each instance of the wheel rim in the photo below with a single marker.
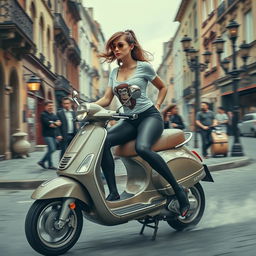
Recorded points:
(192, 214)
(46, 226)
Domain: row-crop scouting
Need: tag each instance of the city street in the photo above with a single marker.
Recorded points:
(227, 228)
(193, 61)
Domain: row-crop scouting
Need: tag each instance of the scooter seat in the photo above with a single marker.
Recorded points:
(169, 139)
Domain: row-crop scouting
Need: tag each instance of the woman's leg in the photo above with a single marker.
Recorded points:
(117, 135)
(149, 130)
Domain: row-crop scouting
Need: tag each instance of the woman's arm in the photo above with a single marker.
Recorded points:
(159, 84)
(106, 99)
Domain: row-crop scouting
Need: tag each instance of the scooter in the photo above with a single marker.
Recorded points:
(54, 221)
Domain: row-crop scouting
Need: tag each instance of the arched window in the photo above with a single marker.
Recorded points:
(41, 35)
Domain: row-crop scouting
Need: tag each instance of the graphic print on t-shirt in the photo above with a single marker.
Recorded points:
(123, 93)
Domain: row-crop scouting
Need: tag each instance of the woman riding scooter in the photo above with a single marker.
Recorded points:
(134, 69)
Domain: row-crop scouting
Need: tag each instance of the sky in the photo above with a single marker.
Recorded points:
(152, 21)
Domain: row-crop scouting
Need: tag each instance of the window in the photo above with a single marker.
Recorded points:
(49, 44)
(225, 53)
(195, 24)
(204, 10)
(33, 17)
(211, 5)
(41, 35)
(248, 27)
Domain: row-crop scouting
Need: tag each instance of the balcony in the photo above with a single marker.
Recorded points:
(231, 2)
(74, 8)
(61, 30)
(62, 84)
(188, 92)
(74, 52)
(221, 9)
(16, 28)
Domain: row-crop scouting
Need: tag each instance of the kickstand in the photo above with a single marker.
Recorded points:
(146, 223)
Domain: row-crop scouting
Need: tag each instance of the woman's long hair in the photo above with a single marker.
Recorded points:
(137, 52)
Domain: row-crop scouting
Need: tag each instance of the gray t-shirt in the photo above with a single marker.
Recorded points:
(206, 118)
(221, 117)
(143, 74)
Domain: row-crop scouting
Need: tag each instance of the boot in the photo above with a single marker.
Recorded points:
(182, 196)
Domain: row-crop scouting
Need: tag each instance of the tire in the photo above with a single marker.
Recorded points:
(192, 219)
(40, 229)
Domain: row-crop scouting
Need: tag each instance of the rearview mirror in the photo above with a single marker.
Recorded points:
(74, 93)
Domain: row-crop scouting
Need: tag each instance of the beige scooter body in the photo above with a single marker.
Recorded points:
(54, 221)
(145, 190)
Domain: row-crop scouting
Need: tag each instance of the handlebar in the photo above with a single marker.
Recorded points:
(125, 116)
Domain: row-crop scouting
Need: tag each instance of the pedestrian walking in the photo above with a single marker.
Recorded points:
(68, 125)
(205, 120)
(50, 123)
(171, 118)
(222, 119)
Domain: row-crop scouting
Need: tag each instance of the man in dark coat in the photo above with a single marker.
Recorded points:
(68, 126)
(50, 124)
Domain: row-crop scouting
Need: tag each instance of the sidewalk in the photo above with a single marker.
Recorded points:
(26, 174)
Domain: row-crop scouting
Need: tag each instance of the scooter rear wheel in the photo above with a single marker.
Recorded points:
(41, 231)
(194, 216)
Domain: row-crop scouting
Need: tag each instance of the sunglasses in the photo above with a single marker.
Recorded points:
(118, 45)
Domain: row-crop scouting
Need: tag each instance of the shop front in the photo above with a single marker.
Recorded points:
(247, 98)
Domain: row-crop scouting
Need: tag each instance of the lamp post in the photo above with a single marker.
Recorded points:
(234, 73)
(192, 58)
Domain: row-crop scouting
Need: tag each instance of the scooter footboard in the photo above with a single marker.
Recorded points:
(62, 187)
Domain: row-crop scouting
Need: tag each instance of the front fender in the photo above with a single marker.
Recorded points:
(62, 187)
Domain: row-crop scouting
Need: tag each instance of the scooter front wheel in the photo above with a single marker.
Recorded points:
(196, 195)
(42, 231)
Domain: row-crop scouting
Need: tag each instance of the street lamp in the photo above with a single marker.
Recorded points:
(234, 73)
(34, 83)
(192, 57)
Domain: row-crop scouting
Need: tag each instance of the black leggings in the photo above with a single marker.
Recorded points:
(146, 130)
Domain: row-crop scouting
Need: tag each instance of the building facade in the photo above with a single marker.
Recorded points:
(165, 71)
(203, 21)
(67, 52)
(93, 75)
(38, 38)
(26, 29)
(188, 17)
(209, 31)
(244, 12)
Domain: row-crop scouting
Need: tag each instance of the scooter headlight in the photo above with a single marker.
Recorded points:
(82, 112)
(84, 167)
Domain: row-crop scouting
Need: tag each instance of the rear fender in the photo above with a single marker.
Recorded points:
(62, 187)
(208, 176)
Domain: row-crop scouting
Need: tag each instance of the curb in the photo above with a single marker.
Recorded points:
(33, 184)
(244, 161)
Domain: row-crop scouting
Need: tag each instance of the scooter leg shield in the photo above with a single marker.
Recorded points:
(62, 187)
